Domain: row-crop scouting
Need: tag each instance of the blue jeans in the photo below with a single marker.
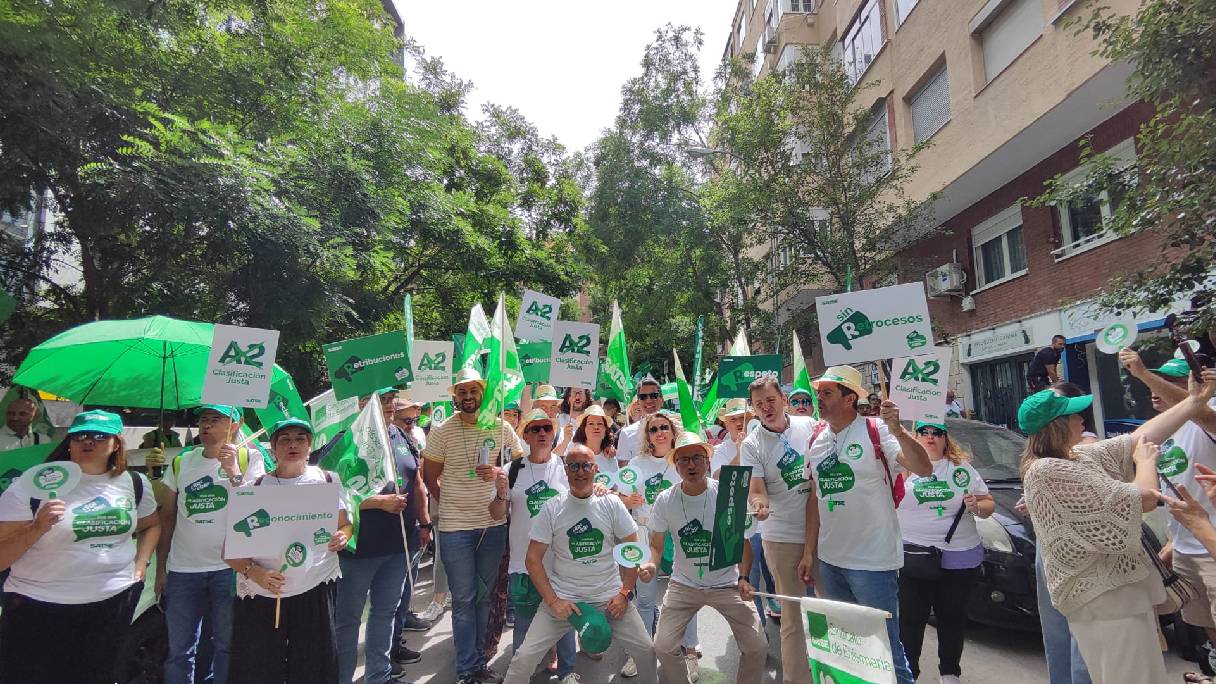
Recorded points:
(471, 558)
(189, 596)
(1064, 662)
(566, 648)
(407, 590)
(760, 571)
(876, 589)
(647, 605)
(379, 577)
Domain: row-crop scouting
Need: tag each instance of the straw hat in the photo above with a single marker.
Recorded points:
(846, 376)
(545, 393)
(593, 410)
(535, 416)
(691, 441)
(734, 407)
(464, 377)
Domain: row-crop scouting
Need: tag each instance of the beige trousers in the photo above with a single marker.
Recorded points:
(783, 558)
(1117, 634)
(545, 630)
(680, 605)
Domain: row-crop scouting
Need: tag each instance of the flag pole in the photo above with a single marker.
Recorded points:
(392, 466)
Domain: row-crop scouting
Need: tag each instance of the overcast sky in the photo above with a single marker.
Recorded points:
(560, 63)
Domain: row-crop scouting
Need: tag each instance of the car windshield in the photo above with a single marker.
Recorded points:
(995, 451)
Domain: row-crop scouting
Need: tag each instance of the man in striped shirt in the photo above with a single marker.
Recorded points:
(467, 459)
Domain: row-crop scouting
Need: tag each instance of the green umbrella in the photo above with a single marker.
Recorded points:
(154, 362)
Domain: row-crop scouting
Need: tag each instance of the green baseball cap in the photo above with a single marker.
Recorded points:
(96, 421)
(1041, 408)
(1174, 368)
(594, 632)
(800, 390)
(229, 411)
(921, 423)
(291, 422)
(523, 593)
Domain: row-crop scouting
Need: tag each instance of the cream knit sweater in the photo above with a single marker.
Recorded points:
(1087, 520)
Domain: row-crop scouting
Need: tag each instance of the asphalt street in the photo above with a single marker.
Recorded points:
(991, 654)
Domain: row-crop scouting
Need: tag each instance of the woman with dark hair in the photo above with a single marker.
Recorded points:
(593, 431)
(78, 561)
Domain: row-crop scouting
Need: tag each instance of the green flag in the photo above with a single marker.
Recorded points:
(330, 416)
(802, 379)
(361, 460)
(712, 404)
(284, 402)
(688, 410)
(730, 517)
(475, 338)
(698, 341)
(504, 377)
(616, 364)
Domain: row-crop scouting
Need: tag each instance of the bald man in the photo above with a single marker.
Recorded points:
(18, 427)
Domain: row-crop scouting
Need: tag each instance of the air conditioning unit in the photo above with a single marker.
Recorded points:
(948, 279)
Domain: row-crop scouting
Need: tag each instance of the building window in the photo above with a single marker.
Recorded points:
(875, 139)
(863, 40)
(741, 32)
(1000, 253)
(1083, 220)
(1009, 32)
(757, 62)
(902, 9)
(805, 6)
(931, 106)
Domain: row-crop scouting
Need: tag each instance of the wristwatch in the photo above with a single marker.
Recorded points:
(426, 526)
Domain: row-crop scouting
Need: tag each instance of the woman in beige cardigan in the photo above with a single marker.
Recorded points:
(1086, 502)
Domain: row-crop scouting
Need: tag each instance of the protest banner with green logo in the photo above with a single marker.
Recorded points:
(537, 314)
(576, 353)
(363, 365)
(846, 643)
(714, 401)
(433, 363)
(536, 359)
(240, 366)
(735, 373)
(670, 391)
(617, 383)
(470, 349)
(330, 416)
(264, 520)
(919, 383)
(361, 460)
(504, 377)
(284, 402)
(730, 517)
(14, 462)
(868, 325)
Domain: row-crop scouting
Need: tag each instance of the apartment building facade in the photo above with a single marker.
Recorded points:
(1004, 90)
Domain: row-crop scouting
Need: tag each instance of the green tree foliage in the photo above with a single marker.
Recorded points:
(262, 164)
(1172, 45)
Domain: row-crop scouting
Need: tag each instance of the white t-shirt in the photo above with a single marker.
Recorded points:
(779, 459)
(930, 504)
(629, 442)
(419, 436)
(724, 453)
(690, 521)
(321, 564)
(10, 440)
(535, 484)
(658, 475)
(88, 556)
(580, 534)
(607, 464)
(858, 527)
(1179, 454)
(202, 489)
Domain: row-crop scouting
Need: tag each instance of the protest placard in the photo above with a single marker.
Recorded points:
(730, 517)
(432, 370)
(363, 365)
(536, 361)
(919, 383)
(537, 313)
(846, 642)
(240, 366)
(868, 325)
(262, 521)
(735, 373)
(576, 353)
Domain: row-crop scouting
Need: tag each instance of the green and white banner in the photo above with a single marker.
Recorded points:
(474, 338)
(433, 372)
(617, 383)
(362, 365)
(918, 385)
(330, 416)
(240, 366)
(362, 460)
(504, 377)
(537, 313)
(846, 643)
(868, 325)
(263, 521)
(735, 373)
(730, 517)
(536, 359)
(576, 353)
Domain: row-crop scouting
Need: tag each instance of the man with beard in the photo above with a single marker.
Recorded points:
(466, 457)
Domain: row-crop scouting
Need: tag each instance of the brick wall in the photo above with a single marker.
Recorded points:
(1047, 284)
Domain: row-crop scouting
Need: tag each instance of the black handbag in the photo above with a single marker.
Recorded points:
(925, 562)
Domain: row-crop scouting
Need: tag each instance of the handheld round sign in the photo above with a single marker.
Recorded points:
(1193, 344)
(295, 555)
(629, 477)
(1115, 336)
(606, 479)
(52, 480)
(631, 554)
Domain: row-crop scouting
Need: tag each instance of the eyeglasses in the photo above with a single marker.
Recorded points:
(533, 429)
(577, 467)
(690, 460)
(798, 403)
(95, 436)
(930, 432)
(650, 395)
(661, 427)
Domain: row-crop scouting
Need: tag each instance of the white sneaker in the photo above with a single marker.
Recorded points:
(951, 679)
(433, 612)
(694, 668)
(571, 679)
(630, 669)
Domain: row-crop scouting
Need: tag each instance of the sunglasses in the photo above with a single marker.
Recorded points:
(930, 432)
(690, 460)
(798, 403)
(577, 467)
(662, 427)
(533, 429)
(650, 395)
(95, 436)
